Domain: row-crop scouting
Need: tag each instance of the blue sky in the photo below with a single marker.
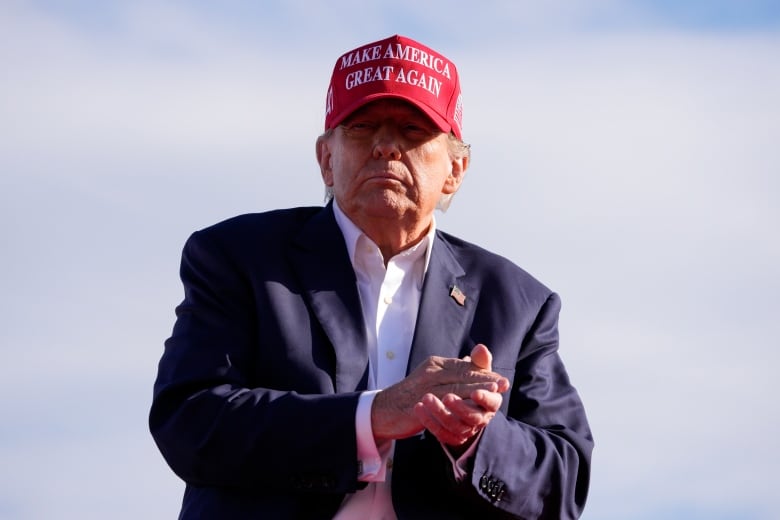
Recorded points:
(625, 153)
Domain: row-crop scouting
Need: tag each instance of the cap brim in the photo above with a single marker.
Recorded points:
(437, 120)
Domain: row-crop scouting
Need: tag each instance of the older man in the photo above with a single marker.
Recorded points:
(352, 361)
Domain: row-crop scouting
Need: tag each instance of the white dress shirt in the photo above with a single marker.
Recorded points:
(390, 298)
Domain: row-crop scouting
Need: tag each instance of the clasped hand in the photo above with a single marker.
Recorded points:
(451, 398)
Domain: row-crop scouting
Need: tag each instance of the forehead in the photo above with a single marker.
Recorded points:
(390, 107)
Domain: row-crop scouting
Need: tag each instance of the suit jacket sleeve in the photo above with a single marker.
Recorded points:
(534, 460)
(231, 406)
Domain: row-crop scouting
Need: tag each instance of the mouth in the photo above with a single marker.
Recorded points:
(386, 175)
(385, 183)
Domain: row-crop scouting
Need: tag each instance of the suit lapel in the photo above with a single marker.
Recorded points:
(442, 320)
(320, 259)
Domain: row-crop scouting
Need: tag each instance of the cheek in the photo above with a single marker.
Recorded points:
(340, 174)
(434, 160)
(434, 173)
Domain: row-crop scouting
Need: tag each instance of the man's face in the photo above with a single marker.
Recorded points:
(388, 160)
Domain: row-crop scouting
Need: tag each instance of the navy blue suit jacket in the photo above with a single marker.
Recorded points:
(254, 402)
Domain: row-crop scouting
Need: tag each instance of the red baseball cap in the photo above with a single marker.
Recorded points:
(396, 67)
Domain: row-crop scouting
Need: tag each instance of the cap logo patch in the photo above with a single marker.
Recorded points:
(396, 67)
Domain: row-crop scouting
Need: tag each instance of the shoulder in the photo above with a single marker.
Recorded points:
(252, 233)
(263, 225)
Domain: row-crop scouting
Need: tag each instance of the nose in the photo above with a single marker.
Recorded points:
(387, 144)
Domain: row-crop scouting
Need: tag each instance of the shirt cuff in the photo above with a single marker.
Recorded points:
(459, 465)
(371, 457)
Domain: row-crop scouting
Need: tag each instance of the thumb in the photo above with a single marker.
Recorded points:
(481, 356)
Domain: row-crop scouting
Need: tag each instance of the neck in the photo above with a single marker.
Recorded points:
(392, 236)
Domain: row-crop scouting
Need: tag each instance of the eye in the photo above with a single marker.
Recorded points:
(358, 127)
(418, 131)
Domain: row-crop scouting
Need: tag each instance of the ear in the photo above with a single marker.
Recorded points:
(455, 178)
(325, 160)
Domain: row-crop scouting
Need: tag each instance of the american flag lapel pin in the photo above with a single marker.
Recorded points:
(458, 295)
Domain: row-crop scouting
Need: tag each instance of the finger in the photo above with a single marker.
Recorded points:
(436, 428)
(448, 411)
(463, 370)
(468, 412)
(481, 357)
(487, 401)
(449, 375)
(464, 390)
(442, 423)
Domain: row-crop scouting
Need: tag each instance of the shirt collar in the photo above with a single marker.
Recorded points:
(352, 233)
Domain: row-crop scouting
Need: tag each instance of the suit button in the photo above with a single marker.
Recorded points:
(492, 487)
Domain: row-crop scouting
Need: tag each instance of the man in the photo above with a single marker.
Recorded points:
(353, 361)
